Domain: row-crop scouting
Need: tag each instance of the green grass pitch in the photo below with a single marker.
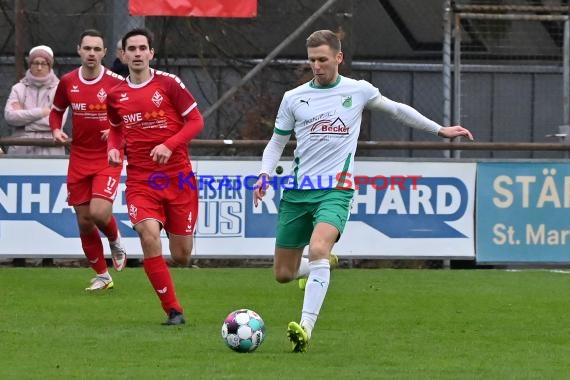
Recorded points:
(375, 324)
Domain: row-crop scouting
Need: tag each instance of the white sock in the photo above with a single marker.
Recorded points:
(116, 242)
(315, 292)
(303, 268)
(307, 327)
(105, 275)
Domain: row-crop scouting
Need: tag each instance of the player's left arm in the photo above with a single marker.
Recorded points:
(409, 116)
(193, 125)
(184, 103)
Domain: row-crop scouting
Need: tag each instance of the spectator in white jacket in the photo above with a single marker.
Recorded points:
(29, 103)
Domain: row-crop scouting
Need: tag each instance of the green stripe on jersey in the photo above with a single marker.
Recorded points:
(345, 167)
(282, 132)
(314, 84)
(296, 171)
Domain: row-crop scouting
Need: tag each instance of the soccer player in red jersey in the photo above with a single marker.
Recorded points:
(91, 182)
(156, 116)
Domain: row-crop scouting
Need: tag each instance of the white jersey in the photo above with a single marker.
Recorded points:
(326, 121)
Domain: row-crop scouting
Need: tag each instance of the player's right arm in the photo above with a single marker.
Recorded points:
(284, 125)
(60, 104)
(271, 155)
(114, 144)
(115, 139)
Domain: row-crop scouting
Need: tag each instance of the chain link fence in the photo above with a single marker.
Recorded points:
(510, 66)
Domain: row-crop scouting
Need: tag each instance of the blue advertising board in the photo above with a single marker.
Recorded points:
(522, 212)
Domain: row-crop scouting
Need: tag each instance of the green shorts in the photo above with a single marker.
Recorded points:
(301, 210)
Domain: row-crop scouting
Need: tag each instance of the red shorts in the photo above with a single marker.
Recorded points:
(102, 184)
(175, 207)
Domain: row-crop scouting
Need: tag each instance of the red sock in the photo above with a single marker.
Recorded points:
(110, 230)
(161, 281)
(93, 249)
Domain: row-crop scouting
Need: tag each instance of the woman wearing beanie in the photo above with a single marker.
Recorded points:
(28, 106)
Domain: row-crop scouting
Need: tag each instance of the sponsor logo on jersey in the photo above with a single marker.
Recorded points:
(97, 107)
(154, 115)
(328, 127)
(132, 118)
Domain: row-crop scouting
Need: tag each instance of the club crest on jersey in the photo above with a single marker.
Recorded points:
(102, 95)
(133, 211)
(346, 101)
(157, 99)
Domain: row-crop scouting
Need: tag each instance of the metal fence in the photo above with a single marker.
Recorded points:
(507, 86)
(510, 66)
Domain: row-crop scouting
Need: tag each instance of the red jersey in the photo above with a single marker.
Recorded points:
(151, 113)
(87, 99)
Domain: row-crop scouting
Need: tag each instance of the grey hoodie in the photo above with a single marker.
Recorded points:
(25, 112)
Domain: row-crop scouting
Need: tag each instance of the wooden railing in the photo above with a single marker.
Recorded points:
(383, 145)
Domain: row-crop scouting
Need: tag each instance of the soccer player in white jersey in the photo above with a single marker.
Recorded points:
(325, 115)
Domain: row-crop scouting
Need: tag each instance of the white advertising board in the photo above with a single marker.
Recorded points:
(401, 209)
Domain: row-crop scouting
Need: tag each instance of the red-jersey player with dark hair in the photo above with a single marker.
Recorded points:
(91, 182)
(156, 116)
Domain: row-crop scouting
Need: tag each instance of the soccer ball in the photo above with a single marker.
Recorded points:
(243, 330)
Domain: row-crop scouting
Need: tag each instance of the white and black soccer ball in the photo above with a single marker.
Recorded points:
(243, 330)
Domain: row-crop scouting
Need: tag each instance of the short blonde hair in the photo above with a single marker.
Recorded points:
(324, 37)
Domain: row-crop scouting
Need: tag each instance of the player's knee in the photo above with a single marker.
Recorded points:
(180, 250)
(85, 224)
(283, 279)
(181, 256)
(100, 217)
(148, 239)
(283, 276)
(319, 251)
